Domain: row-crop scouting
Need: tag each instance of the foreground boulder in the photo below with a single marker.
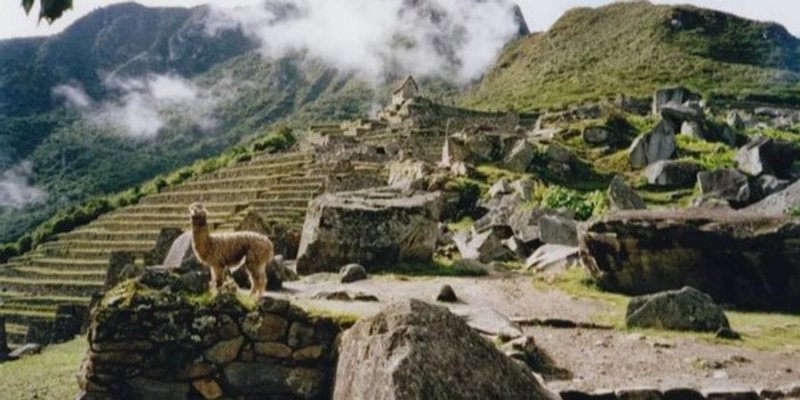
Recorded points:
(738, 258)
(371, 227)
(414, 350)
(687, 309)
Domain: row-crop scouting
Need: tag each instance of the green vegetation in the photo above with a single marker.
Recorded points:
(584, 206)
(591, 54)
(279, 138)
(49, 376)
(709, 155)
(760, 331)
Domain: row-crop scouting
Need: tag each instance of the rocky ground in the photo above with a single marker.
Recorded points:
(585, 359)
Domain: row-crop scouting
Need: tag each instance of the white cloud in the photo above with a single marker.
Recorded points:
(16, 190)
(456, 39)
(140, 107)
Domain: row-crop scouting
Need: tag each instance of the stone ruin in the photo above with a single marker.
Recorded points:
(151, 338)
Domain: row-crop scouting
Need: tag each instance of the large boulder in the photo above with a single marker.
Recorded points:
(672, 95)
(656, 145)
(372, 227)
(739, 258)
(410, 174)
(766, 156)
(779, 203)
(413, 350)
(726, 184)
(673, 173)
(623, 197)
(557, 229)
(520, 157)
(679, 114)
(687, 309)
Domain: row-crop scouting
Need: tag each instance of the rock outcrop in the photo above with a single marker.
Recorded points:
(414, 350)
(371, 227)
(656, 145)
(738, 258)
(687, 309)
(623, 197)
(779, 203)
(726, 184)
(150, 342)
(673, 173)
(766, 156)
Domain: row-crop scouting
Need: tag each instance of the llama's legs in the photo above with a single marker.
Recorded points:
(217, 277)
(258, 279)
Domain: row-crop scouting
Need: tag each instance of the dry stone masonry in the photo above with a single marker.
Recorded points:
(150, 342)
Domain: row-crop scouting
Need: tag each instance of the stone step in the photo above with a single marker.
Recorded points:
(291, 203)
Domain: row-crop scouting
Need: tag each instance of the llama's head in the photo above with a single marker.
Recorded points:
(197, 212)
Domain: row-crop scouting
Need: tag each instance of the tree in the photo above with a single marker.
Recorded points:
(50, 10)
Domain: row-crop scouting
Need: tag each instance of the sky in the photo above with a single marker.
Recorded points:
(540, 14)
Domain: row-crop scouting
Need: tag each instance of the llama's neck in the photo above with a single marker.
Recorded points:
(200, 235)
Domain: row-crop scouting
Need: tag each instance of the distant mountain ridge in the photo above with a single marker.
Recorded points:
(633, 48)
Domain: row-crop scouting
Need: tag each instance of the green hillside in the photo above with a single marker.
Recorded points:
(634, 48)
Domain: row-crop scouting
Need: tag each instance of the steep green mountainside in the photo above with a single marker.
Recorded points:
(74, 159)
(634, 48)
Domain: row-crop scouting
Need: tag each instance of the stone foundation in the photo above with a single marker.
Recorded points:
(147, 342)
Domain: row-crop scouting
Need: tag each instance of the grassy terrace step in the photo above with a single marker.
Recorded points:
(278, 188)
(283, 158)
(248, 182)
(70, 263)
(23, 316)
(22, 297)
(182, 208)
(89, 254)
(134, 246)
(207, 196)
(50, 287)
(88, 234)
(292, 203)
(50, 273)
(259, 170)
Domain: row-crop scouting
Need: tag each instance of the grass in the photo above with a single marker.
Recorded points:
(760, 331)
(49, 376)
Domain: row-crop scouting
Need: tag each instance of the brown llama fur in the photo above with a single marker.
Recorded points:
(230, 251)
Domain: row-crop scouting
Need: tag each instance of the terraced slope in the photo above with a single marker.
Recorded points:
(71, 268)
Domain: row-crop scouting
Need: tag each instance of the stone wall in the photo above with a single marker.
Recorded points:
(150, 341)
(423, 112)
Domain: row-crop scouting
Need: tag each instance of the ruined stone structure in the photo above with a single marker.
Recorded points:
(147, 342)
(269, 193)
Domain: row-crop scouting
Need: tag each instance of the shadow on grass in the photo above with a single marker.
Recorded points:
(431, 268)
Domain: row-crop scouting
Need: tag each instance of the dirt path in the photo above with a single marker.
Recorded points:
(594, 359)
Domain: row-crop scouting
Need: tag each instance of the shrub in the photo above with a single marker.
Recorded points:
(584, 206)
